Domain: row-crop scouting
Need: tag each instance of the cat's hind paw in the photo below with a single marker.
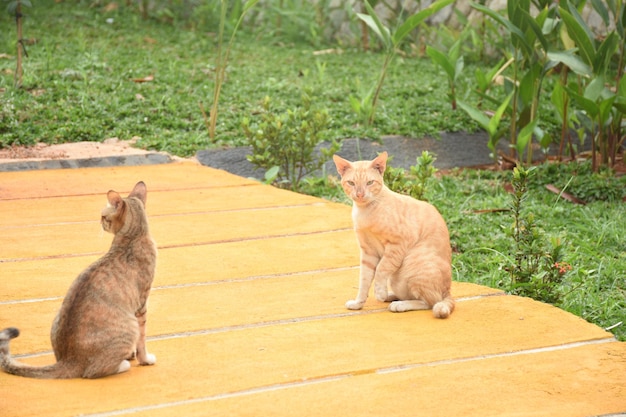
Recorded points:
(124, 367)
(150, 360)
(408, 305)
(354, 304)
(397, 307)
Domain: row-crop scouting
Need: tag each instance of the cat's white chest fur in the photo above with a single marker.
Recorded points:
(360, 217)
(369, 216)
(367, 229)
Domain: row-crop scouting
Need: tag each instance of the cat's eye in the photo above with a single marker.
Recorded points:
(351, 183)
(370, 182)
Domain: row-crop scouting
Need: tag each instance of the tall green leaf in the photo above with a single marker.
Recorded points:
(458, 67)
(604, 109)
(595, 88)
(491, 125)
(605, 52)
(524, 136)
(516, 32)
(559, 101)
(579, 33)
(620, 101)
(602, 10)
(372, 20)
(572, 61)
(528, 84)
(442, 60)
(477, 115)
(589, 106)
(497, 116)
(536, 29)
(416, 19)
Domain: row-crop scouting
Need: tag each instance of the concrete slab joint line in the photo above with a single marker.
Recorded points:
(246, 326)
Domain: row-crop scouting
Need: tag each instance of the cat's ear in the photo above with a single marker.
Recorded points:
(115, 200)
(380, 162)
(140, 191)
(342, 164)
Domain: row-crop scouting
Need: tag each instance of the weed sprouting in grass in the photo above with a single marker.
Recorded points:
(222, 61)
(15, 8)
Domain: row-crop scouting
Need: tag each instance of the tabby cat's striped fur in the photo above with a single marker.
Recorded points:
(102, 321)
(405, 246)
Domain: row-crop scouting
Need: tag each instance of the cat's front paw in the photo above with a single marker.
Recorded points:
(354, 304)
(150, 359)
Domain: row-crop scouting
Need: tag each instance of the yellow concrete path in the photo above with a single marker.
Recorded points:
(246, 316)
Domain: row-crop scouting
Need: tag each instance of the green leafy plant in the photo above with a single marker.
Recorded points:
(271, 175)
(602, 108)
(391, 40)
(414, 183)
(558, 37)
(530, 64)
(289, 141)
(538, 269)
(562, 105)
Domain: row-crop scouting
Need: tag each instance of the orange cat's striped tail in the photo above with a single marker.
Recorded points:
(11, 366)
(444, 308)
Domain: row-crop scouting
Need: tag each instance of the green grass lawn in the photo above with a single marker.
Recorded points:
(78, 83)
(82, 81)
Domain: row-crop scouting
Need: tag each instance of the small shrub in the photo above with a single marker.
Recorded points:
(415, 183)
(289, 141)
(537, 270)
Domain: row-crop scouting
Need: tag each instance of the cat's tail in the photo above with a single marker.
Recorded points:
(444, 308)
(11, 366)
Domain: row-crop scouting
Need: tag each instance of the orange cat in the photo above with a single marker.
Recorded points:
(405, 246)
(102, 320)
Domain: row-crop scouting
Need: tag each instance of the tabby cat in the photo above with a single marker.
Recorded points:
(102, 321)
(405, 245)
